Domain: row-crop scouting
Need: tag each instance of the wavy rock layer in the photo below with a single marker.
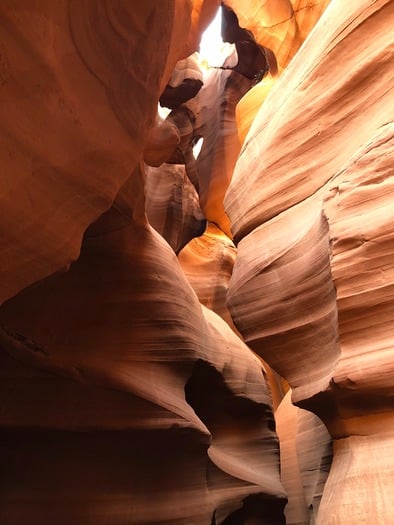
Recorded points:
(134, 360)
(75, 113)
(283, 299)
(221, 92)
(280, 25)
(123, 398)
(312, 284)
(306, 452)
(172, 205)
(208, 264)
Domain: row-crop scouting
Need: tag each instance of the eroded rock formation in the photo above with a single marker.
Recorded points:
(306, 453)
(138, 278)
(180, 392)
(172, 205)
(316, 174)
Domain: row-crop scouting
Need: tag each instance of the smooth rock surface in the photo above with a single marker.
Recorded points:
(123, 328)
(306, 452)
(172, 205)
(128, 394)
(75, 113)
(310, 204)
(207, 262)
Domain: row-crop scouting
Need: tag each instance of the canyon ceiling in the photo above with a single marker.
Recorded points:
(196, 339)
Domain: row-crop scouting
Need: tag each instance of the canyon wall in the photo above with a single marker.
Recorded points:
(196, 339)
(310, 205)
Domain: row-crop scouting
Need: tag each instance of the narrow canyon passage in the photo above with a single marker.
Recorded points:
(197, 262)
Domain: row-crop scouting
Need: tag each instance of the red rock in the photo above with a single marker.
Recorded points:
(123, 328)
(172, 205)
(207, 262)
(306, 452)
(75, 113)
(312, 285)
(127, 393)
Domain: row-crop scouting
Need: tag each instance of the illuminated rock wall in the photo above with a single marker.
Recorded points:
(310, 205)
(124, 400)
(136, 279)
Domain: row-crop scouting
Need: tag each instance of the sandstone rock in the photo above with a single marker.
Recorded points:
(282, 297)
(207, 262)
(360, 483)
(312, 107)
(249, 105)
(75, 113)
(218, 98)
(311, 192)
(105, 412)
(172, 205)
(185, 82)
(254, 60)
(358, 206)
(283, 27)
(123, 328)
(161, 143)
(314, 450)
(306, 452)
(216, 123)
(280, 25)
(123, 398)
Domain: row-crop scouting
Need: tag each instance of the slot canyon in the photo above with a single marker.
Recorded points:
(197, 263)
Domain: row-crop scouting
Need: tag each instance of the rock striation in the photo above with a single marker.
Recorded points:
(76, 110)
(123, 399)
(207, 261)
(191, 338)
(306, 454)
(172, 205)
(148, 381)
(308, 204)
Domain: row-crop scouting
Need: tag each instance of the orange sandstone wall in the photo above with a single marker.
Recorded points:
(310, 208)
(130, 389)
